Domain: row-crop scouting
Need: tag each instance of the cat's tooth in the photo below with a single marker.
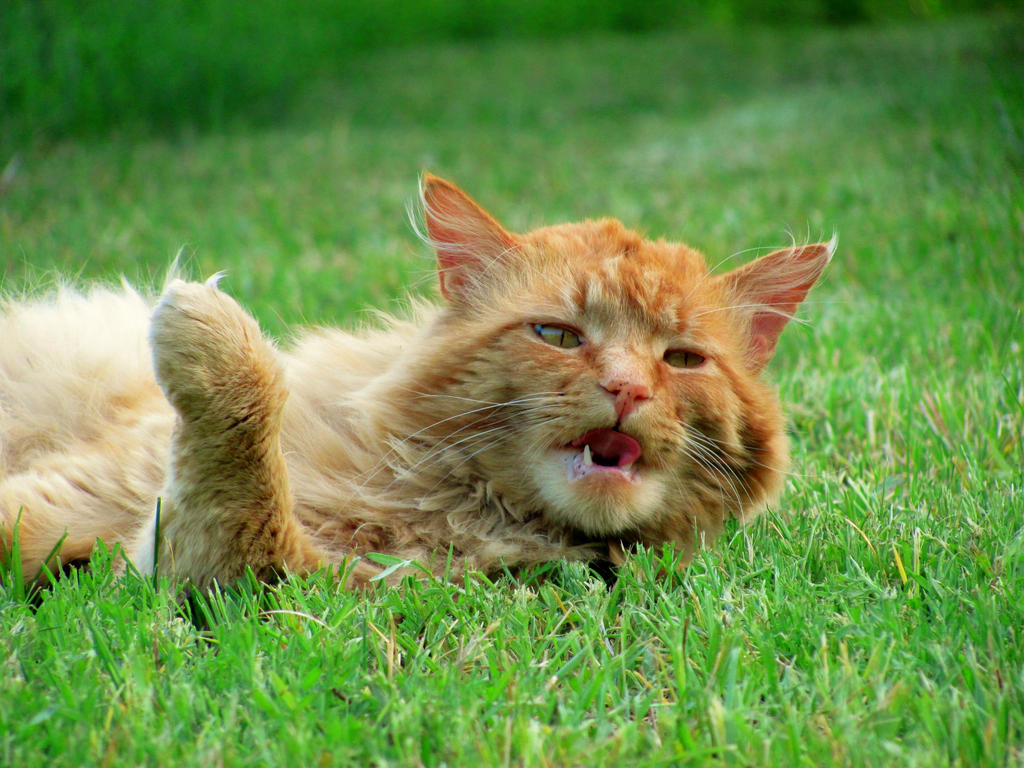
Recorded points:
(587, 461)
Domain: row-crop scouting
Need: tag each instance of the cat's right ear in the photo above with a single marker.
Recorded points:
(467, 239)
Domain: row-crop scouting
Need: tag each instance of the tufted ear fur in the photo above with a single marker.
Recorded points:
(769, 290)
(467, 239)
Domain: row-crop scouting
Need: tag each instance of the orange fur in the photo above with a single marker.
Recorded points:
(581, 390)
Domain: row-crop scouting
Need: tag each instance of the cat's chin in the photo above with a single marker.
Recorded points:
(598, 484)
(607, 501)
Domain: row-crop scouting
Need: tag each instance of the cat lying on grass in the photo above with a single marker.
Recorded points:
(580, 390)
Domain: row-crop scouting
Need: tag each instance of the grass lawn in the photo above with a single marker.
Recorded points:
(876, 617)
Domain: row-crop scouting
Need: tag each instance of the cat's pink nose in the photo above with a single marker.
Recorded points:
(628, 394)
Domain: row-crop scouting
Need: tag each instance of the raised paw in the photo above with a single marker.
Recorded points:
(226, 500)
(210, 358)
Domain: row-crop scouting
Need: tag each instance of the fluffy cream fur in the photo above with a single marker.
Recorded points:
(580, 390)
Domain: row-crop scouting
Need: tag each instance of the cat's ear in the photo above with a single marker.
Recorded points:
(769, 289)
(467, 238)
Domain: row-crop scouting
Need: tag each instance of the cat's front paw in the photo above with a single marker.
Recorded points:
(210, 358)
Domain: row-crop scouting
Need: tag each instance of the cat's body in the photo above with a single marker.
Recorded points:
(581, 389)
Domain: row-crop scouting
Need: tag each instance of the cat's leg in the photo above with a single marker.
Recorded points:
(226, 503)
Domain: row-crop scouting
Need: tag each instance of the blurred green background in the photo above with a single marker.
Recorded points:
(82, 67)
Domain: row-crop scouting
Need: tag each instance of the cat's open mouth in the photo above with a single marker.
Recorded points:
(605, 452)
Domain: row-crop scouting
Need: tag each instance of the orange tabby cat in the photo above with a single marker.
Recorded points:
(580, 389)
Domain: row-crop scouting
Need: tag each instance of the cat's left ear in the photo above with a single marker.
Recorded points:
(769, 290)
(467, 239)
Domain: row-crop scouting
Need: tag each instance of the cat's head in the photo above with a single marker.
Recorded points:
(608, 382)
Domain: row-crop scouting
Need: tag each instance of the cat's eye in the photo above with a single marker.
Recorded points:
(558, 336)
(684, 358)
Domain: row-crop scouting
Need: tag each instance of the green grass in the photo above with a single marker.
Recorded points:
(874, 618)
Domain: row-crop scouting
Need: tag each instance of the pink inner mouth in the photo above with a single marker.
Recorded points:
(609, 448)
(603, 452)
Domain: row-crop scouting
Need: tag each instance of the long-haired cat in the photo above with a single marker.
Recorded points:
(579, 390)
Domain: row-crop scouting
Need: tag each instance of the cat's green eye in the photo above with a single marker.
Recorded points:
(558, 336)
(683, 358)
